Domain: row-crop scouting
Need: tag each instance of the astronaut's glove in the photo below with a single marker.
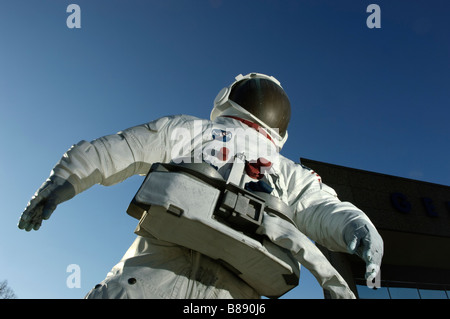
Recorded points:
(364, 240)
(53, 192)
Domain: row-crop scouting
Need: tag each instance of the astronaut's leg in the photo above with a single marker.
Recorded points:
(154, 269)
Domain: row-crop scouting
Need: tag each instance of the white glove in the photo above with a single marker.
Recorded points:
(53, 192)
(364, 240)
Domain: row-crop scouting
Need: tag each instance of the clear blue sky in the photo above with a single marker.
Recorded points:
(372, 99)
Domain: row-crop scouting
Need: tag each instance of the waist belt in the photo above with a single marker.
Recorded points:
(194, 206)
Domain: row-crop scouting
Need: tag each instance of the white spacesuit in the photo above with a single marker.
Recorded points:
(155, 268)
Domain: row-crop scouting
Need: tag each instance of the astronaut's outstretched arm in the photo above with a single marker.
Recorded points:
(107, 160)
(339, 226)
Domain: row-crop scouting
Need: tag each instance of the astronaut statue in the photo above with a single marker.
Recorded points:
(221, 213)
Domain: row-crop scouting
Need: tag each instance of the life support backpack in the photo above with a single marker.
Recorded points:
(193, 206)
